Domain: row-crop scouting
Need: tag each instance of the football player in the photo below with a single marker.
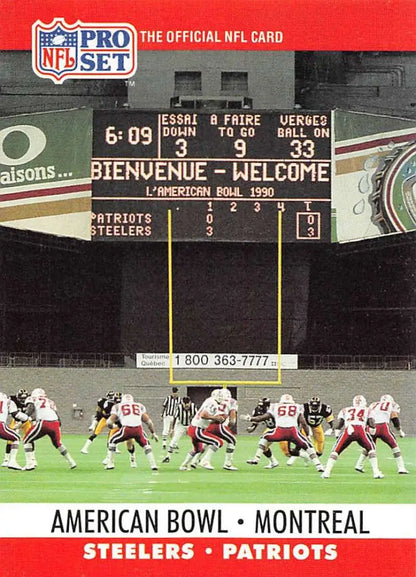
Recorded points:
(99, 421)
(44, 412)
(8, 409)
(209, 412)
(288, 417)
(384, 411)
(315, 412)
(226, 430)
(127, 417)
(19, 400)
(260, 409)
(354, 420)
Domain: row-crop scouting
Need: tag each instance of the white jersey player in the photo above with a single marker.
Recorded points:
(288, 418)
(386, 410)
(203, 417)
(354, 420)
(211, 411)
(225, 430)
(129, 416)
(44, 412)
(382, 412)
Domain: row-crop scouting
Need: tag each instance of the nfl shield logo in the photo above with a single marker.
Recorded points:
(56, 50)
(83, 50)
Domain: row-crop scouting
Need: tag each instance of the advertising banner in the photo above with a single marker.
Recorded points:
(373, 192)
(45, 182)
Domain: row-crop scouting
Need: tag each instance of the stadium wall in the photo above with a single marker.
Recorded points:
(224, 298)
(84, 386)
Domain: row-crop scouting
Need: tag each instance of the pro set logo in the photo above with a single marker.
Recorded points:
(83, 50)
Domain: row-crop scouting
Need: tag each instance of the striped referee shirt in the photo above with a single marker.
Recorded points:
(170, 404)
(185, 416)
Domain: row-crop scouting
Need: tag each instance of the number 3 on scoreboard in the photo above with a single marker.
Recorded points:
(182, 149)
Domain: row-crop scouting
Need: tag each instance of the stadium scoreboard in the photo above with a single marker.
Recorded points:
(224, 175)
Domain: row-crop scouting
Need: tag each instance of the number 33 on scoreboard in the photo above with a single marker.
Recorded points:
(302, 148)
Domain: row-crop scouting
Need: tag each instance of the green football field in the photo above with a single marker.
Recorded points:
(54, 482)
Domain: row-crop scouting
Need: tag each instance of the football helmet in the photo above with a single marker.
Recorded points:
(38, 393)
(110, 394)
(117, 397)
(22, 394)
(220, 395)
(286, 399)
(386, 399)
(315, 403)
(359, 401)
(264, 402)
(127, 398)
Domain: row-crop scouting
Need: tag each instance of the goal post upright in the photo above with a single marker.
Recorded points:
(173, 381)
(170, 289)
(279, 296)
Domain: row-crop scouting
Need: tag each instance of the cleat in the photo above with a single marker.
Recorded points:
(206, 465)
(104, 461)
(193, 465)
(5, 463)
(271, 466)
(252, 461)
(185, 467)
(290, 461)
(403, 472)
(73, 466)
(325, 475)
(155, 469)
(230, 468)
(14, 466)
(359, 470)
(84, 451)
(320, 469)
(379, 475)
(166, 459)
(29, 468)
(109, 466)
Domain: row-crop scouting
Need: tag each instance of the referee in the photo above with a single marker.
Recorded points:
(182, 418)
(170, 405)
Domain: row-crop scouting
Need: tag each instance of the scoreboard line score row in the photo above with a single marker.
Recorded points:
(224, 175)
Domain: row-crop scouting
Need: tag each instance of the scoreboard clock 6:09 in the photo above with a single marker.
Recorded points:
(224, 175)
